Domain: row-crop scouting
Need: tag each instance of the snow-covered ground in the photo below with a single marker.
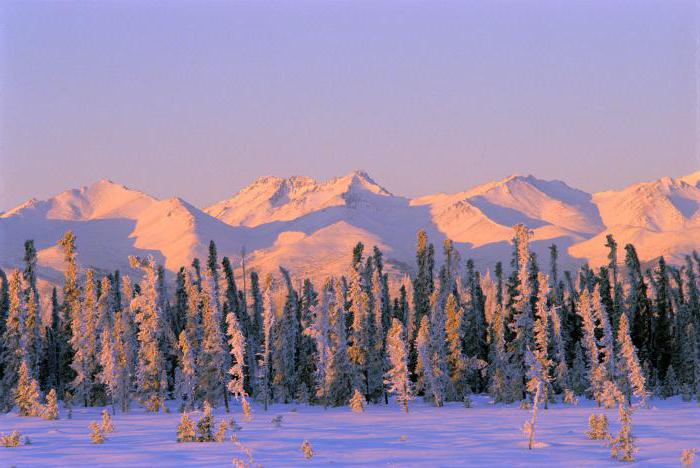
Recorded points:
(382, 436)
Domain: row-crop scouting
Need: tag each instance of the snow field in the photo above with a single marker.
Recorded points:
(485, 434)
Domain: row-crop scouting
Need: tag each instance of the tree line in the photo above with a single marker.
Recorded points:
(519, 333)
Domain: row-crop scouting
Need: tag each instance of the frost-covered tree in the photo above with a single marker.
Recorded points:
(540, 350)
(537, 381)
(361, 331)
(451, 332)
(125, 345)
(186, 383)
(520, 301)
(151, 362)
(109, 373)
(26, 393)
(622, 447)
(264, 373)
(50, 410)
(14, 349)
(236, 343)
(33, 325)
(319, 331)
(596, 374)
(357, 402)
(340, 373)
(211, 362)
(284, 375)
(71, 308)
(630, 373)
(397, 377)
(49, 373)
(425, 380)
(186, 430)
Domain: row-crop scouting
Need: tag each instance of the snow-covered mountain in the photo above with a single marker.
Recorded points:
(661, 217)
(310, 227)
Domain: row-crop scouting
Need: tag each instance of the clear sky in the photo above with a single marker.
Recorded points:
(199, 98)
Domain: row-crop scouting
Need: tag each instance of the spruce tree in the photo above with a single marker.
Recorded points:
(264, 372)
(319, 332)
(211, 364)
(71, 308)
(14, 352)
(284, 376)
(151, 361)
(397, 377)
(33, 325)
(187, 383)
(340, 371)
(26, 392)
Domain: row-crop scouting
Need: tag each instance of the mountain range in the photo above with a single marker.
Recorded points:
(310, 227)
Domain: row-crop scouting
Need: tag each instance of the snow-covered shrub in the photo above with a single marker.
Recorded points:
(220, 435)
(107, 425)
(27, 393)
(96, 436)
(233, 425)
(622, 447)
(205, 425)
(185, 431)
(50, 410)
(277, 420)
(357, 402)
(11, 440)
(247, 413)
(688, 457)
(467, 401)
(597, 427)
(307, 450)
(570, 397)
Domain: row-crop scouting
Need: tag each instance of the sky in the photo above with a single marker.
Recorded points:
(199, 98)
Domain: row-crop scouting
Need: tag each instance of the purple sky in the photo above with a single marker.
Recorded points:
(199, 98)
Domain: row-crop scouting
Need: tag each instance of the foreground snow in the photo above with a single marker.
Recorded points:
(383, 435)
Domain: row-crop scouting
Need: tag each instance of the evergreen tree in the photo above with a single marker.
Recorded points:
(53, 346)
(630, 373)
(397, 377)
(33, 325)
(26, 392)
(539, 370)
(451, 332)
(254, 334)
(319, 332)
(306, 348)
(14, 352)
(109, 374)
(520, 303)
(50, 411)
(211, 362)
(151, 362)
(596, 374)
(638, 307)
(187, 382)
(264, 372)
(285, 340)
(423, 282)
(237, 346)
(339, 373)
(662, 337)
(71, 309)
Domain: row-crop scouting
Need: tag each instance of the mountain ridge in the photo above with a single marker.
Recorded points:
(311, 226)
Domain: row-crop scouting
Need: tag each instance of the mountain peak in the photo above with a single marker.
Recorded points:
(691, 179)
